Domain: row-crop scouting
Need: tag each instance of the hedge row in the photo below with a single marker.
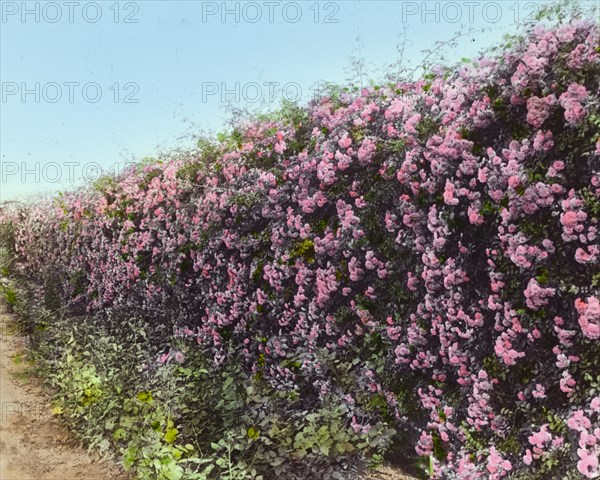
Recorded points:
(413, 268)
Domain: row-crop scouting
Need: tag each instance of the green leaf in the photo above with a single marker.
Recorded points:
(145, 397)
(171, 435)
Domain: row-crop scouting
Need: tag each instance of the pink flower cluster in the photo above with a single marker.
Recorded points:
(536, 296)
(573, 101)
(587, 424)
(426, 238)
(538, 109)
(589, 317)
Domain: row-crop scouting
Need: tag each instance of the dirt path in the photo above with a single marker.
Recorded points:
(389, 473)
(33, 443)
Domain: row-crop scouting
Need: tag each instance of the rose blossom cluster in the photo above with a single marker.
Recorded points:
(429, 230)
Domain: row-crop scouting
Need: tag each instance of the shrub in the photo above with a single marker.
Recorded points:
(411, 267)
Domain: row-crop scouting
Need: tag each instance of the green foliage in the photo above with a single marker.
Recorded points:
(304, 249)
(188, 421)
(7, 250)
(10, 296)
(592, 203)
(190, 171)
(395, 146)
(104, 184)
(426, 128)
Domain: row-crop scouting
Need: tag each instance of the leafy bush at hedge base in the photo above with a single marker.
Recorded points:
(414, 269)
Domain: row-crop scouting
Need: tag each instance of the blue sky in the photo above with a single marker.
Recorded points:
(98, 84)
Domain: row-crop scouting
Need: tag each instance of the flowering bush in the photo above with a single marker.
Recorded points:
(420, 258)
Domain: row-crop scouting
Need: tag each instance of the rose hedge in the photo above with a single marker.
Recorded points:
(424, 256)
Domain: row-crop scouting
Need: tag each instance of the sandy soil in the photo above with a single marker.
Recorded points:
(388, 473)
(33, 443)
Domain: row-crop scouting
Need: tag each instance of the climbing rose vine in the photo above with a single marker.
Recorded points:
(437, 238)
